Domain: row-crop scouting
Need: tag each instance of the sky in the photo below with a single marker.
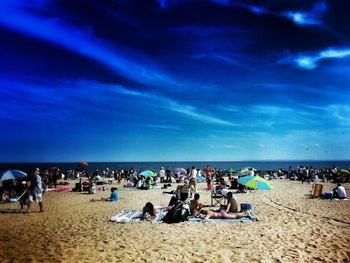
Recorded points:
(174, 80)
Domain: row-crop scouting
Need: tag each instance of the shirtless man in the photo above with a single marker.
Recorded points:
(195, 205)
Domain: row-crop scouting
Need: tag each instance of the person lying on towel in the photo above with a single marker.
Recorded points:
(149, 211)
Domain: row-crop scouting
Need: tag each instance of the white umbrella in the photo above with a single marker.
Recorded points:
(12, 175)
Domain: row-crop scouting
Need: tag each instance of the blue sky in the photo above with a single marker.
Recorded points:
(174, 80)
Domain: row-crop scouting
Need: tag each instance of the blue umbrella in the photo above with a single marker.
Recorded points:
(180, 171)
(245, 171)
(147, 173)
(12, 175)
(256, 183)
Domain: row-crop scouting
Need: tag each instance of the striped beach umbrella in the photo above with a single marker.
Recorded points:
(245, 171)
(12, 175)
(256, 183)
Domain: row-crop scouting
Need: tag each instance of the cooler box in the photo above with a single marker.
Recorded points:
(245, 207)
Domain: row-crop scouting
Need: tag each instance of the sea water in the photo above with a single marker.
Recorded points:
(155, 166)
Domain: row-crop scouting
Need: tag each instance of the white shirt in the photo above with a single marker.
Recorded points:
(193, 173)
(162, 173)
(224, 192)
(341, 191)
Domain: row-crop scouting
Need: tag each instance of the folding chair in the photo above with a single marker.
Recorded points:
(217, 198)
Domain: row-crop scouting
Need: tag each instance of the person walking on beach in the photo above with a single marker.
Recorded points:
(168, 175)
(162, 175)
(36, 190)
(193, 178)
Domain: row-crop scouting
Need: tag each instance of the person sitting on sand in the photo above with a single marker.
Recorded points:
(232, 205)
(195, 205)
(4, 197)
(339, 192)
(113, 198)
(148, 211)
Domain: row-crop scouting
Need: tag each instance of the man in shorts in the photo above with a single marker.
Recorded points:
(36, 190)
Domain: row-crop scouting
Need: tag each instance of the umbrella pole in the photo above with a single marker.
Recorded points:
(253, 201)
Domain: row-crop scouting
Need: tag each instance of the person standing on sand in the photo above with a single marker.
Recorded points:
(162, 175)
(193, 178)
(36, 190)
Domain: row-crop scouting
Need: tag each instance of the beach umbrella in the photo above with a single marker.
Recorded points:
(147, 173)
(245, 171)
(12, 174)
(231, 170)
(256, 183)
(344, 171)
(83, 163)
(180, 171)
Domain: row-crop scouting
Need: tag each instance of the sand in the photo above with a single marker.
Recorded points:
(292, 228)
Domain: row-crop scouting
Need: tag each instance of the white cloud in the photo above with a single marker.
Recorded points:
(187, 110)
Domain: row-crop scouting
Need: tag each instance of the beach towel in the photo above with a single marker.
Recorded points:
(243, 219)
(59, 190)
(129, 216)
(200, 179)
(131, 188)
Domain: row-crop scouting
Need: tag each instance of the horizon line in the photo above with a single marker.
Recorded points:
(177, 161)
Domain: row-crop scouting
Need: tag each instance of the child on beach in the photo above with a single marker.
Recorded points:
(23, 199)
(113, 198)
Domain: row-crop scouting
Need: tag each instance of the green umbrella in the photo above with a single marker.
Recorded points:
(245, 171)
(231, 170)
(256, 183)
(147, 173)
(344, 171)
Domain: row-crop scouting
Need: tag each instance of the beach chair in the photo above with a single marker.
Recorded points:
(217, 198)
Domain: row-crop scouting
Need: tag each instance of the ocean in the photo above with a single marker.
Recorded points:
(155, 166)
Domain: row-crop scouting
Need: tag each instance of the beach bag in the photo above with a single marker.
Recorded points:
(178, 213)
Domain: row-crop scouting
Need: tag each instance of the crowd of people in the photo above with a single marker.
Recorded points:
(30, 190)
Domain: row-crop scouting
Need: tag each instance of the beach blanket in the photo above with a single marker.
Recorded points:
(200, 179)
(129, 188)
(243, 219)
(59, 190)
(128, 216)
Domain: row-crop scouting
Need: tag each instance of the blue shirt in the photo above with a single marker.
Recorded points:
(114, 196)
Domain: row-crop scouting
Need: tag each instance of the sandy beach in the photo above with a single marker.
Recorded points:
(292, 228)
